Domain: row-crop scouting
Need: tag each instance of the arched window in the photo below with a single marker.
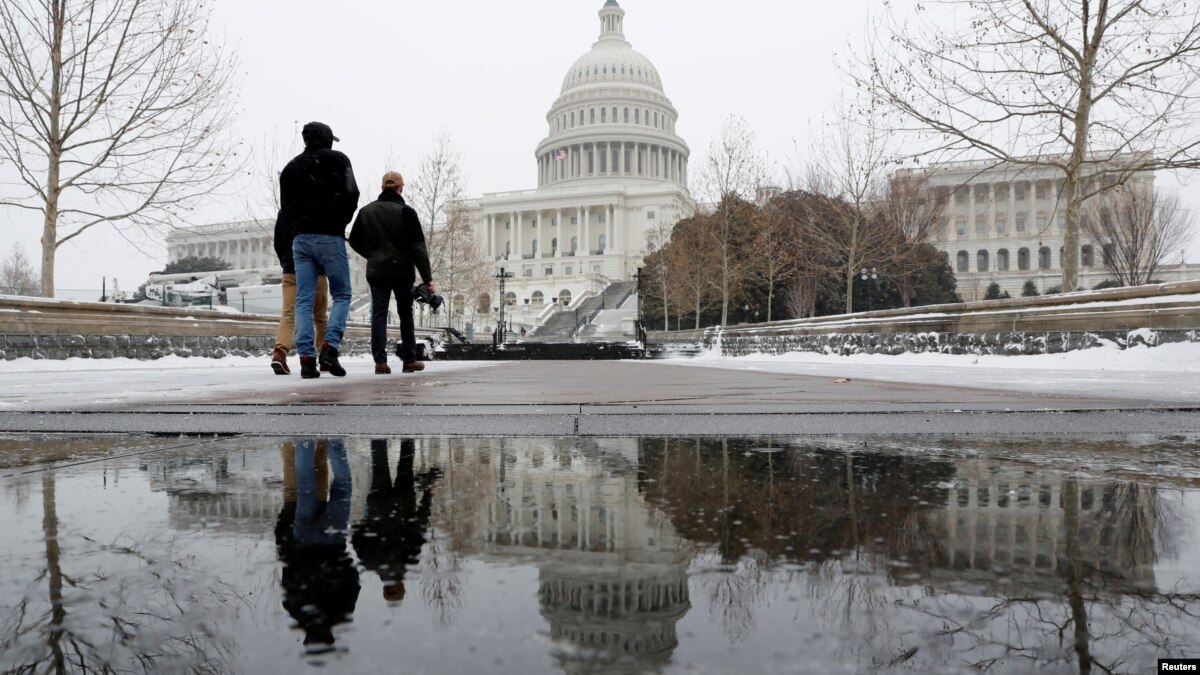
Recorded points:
(981, 261)
(614, 115)
(1002, 260)
(603, 241)
(483, 304)
(564, 297)
(627, 116)
(655, 119)
(537, 299)
(510, 299)
(603, 115)
(1086, 256)
(1023, 259)
(592, 116)
(574, 244)
(572, 120)
(1044, 258)
(637, 116)
(964, 261)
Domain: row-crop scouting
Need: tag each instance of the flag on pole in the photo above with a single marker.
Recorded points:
(562, 154)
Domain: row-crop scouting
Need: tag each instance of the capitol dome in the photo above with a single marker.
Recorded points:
(612, 117)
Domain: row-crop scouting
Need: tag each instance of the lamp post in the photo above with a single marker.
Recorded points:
(498, 337)
(639, 327)
(869, 274)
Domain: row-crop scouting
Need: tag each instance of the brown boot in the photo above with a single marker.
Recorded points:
(414, 367)
(279, 361)
(383, 369)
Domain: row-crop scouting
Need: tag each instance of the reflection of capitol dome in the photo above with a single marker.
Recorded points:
(614, 620)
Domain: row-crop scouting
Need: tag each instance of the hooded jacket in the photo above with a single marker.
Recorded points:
(317, 195)
(387, 232)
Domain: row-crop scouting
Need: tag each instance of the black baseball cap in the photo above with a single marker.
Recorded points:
(314, 130)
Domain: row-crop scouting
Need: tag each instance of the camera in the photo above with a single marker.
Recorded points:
(423, 295)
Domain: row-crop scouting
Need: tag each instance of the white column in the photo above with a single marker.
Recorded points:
(518, 251)
(558, 233)
(491, 236)
(1012, 206)
(619, 226)
(542, 243)
(992, 209)
(584, 240)
(610, 226)
(620, 157)
(970, 211)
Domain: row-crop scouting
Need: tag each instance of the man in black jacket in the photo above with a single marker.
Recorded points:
(318, 195)
(388, 234)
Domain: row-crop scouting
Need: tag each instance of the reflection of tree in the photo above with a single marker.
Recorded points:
(146, 607)
(468, 478)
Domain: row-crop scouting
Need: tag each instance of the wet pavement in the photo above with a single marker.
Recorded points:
(599, 555)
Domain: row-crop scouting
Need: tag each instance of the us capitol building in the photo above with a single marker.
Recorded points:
(610, 170)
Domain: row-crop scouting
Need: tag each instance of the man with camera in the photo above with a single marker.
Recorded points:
(387, 232)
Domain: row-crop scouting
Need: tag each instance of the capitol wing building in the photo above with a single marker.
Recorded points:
(610, 170)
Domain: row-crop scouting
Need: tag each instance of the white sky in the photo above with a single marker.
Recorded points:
(388, 77)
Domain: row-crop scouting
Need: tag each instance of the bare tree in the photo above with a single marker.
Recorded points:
(656, 275)
(17, 276)
(731, 173)
(112, 112)
(690, 260)
(437, 191)
(1097, 90)
(850, 167)
(1138, 229)
(913, 211)
(773, 250)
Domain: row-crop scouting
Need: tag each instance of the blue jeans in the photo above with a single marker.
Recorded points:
(318, 254)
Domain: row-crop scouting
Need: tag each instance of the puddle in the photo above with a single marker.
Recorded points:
(599, 556)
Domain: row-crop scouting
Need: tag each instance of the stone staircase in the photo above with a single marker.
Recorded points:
(563, 326)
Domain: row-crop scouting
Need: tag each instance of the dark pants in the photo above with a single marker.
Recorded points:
(382, 290)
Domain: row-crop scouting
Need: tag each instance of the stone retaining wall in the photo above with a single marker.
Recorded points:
(52, 329)
(1005, 344)
(149, 346)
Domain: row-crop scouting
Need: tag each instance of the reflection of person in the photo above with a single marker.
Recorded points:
(389, 538)
(387, 232)
(317, 197)
(320, 582)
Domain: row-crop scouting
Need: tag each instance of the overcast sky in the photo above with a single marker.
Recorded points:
(388, 77)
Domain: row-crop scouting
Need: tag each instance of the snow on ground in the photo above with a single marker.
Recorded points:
(1166, 374)
(30, 384)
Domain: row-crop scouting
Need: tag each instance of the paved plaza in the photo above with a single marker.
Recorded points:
(592, 398)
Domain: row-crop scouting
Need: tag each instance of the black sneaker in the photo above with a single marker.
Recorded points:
(329, 359)
(308, 367)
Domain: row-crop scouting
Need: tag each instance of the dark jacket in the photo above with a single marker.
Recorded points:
(387, 232)
(317, 195)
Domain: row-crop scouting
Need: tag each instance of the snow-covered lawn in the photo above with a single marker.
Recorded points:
(1167, 373)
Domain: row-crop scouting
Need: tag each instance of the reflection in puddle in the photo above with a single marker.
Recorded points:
(572, 555)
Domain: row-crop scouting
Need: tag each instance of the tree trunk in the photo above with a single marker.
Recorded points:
(851, 260)
(1074, 181)
(770, 297)
(725, 287)
(53, 155)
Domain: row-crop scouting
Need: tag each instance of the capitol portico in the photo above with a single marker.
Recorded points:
(610, 170)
